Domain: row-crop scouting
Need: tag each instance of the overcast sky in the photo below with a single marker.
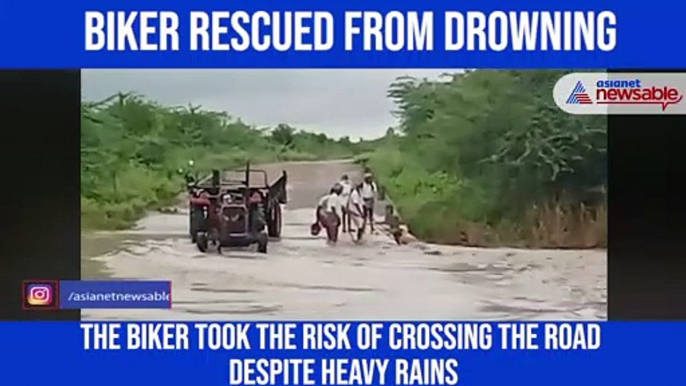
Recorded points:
(335, 102)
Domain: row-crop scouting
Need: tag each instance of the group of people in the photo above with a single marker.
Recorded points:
(347, 206)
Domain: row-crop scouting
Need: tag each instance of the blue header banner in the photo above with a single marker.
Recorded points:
(342, 353)
(348, 34)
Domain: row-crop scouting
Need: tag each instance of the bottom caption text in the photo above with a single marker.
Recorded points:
(343, 371)
(343, 353)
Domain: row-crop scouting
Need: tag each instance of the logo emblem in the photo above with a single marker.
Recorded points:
(40, 295)
(579, 96)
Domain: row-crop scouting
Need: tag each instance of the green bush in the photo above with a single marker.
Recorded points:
(486, 157)
(132, 150)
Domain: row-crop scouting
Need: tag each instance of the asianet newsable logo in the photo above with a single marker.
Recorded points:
(625, 92)
(579, 96)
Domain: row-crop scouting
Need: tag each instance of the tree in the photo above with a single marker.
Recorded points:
(489, 145)
(283, 134)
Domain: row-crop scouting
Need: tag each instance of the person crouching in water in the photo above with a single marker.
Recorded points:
(355, 212)
(328, 213)
(346, 188)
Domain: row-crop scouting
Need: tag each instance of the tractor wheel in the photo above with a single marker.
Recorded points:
(191, 225)
(201, 241)
(262, 242)
(197, 223)
(275, 221)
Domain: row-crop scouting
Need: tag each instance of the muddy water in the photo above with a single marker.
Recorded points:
(303, 278)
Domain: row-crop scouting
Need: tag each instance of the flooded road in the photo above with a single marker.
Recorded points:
(303, 278)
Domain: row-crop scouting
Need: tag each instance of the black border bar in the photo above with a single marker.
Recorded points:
(40, 192)
(647, 216)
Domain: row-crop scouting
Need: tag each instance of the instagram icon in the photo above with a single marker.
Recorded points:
(40, 295)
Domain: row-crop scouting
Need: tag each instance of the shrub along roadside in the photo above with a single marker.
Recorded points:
(485, 158)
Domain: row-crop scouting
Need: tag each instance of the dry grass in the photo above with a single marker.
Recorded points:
(555, 225)
(560, 226)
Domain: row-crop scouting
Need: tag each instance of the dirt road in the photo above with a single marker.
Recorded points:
(303, 278)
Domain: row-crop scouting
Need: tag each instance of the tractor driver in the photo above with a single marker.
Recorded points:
(255, 201)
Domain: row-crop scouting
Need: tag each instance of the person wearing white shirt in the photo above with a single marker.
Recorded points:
(328, 213)
(368, 193)
(335, 205)
(355, 210)
(345, 194)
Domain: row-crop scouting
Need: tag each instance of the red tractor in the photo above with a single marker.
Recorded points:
(226, 212)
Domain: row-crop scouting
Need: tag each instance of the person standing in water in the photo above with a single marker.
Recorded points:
(355, 212)
(368, 192)
(328, 213)
(346, 188)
